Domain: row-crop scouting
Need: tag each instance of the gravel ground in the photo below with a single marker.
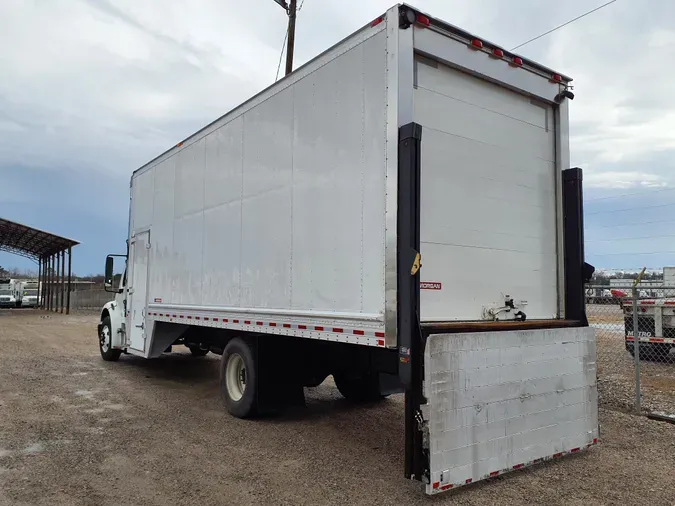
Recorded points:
(75, 430)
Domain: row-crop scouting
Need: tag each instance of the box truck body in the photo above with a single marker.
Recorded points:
(399, 208)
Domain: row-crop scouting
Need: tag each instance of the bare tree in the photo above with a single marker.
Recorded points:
(14, 272)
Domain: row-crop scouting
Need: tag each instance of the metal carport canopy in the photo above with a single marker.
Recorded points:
(49, 252)
(31, 242)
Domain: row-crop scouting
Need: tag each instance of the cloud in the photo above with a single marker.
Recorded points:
(615, 179)
(87, 78)
(624, 99)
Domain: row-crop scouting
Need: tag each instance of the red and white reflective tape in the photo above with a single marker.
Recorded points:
(438, 486)
(667, 340)
(654, 302)
(369, 337)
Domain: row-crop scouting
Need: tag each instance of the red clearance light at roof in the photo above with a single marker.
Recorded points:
(478, 44)
(423, 20)
(517, 60)
(498, 53)
(377, 21)
(556, 77)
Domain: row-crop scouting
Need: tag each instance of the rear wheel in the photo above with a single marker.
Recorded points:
(105, 342)
(359, 387)
(238, 379)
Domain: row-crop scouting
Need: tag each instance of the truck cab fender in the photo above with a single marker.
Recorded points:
(115, 311)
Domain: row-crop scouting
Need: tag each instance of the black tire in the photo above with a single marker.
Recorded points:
(359, 388)
(197, 351)
(238, 353)
(107, 353)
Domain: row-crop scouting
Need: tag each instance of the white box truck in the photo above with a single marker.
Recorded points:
(27, 290)
(398, 213)
(8, 293)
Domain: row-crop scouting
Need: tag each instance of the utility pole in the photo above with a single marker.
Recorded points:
(292, 11)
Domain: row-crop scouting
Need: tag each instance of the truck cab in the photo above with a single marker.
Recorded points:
(8, 294)
(28, 293)
(112, 325)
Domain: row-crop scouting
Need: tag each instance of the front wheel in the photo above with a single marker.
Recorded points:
(105, 342)
(239, 379)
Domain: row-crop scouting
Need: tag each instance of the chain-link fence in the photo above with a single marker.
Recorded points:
(90, 299)
(627, 365)
(83, 296)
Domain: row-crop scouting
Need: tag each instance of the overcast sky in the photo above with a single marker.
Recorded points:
(92, 89)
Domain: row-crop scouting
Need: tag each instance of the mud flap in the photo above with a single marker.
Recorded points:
(501, 401)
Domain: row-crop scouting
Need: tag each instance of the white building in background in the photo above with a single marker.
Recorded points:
(627, 283)
(669, 277)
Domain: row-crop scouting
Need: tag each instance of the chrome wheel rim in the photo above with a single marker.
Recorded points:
(104, 339)
(235, 377)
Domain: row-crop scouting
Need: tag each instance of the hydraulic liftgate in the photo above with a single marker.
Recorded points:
(568, 342)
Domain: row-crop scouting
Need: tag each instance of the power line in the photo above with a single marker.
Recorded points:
(630, 209)
(631, 238)
(649, 192)
(283, 46)
(564, 24)
(631, 224)
(641, 253)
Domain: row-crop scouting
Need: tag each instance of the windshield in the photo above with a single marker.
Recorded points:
(5, 291)
(30, 292)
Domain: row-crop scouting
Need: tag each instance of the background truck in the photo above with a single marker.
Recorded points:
(656, 321)
(656, 328)
(8, 293)
(28, 292)
(397, 213)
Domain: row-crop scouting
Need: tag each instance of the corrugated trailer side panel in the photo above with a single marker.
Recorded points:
(280, 206)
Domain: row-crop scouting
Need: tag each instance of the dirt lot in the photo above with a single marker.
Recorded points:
(75, 430)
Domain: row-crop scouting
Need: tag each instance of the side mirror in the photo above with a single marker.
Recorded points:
(109, 266)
